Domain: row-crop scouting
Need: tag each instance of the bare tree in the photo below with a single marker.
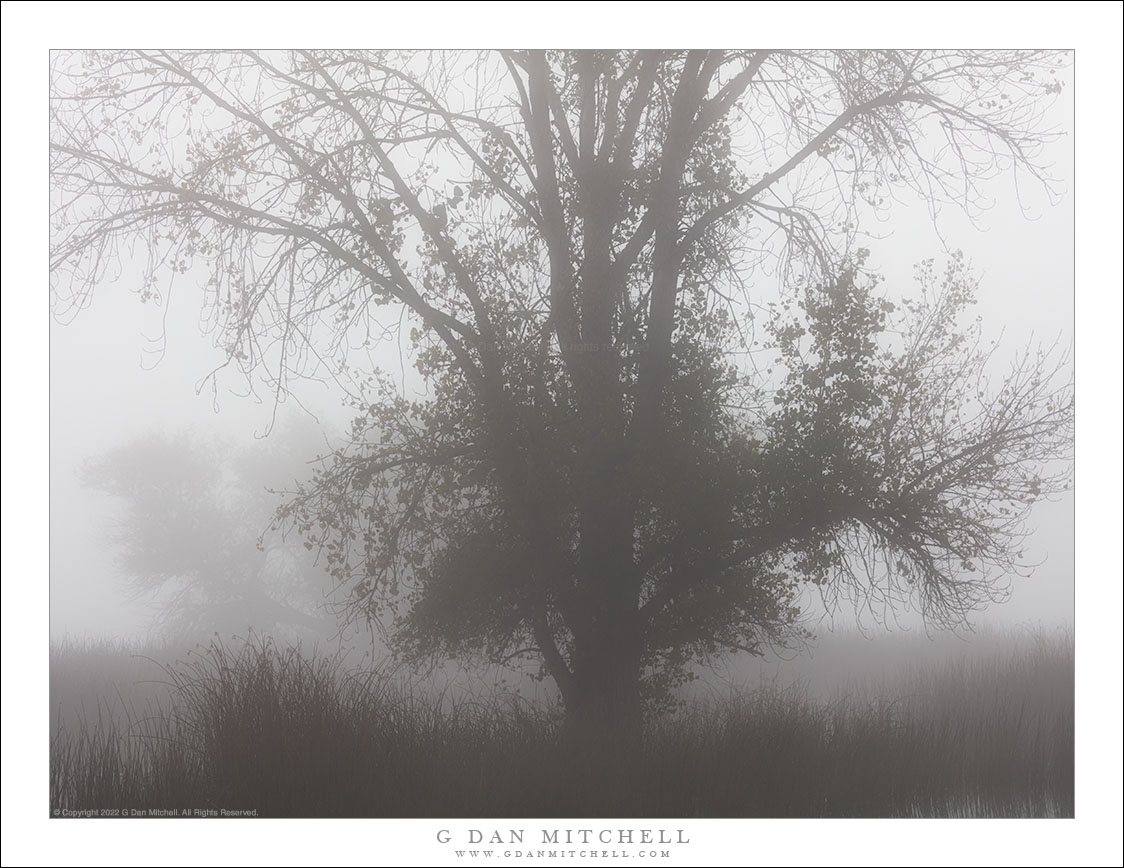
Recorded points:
(572, 240)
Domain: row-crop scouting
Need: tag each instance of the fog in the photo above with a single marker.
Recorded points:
(123, 374)
(122, 369)
(141, 388)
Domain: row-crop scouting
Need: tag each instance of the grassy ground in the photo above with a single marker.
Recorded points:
(258, 726)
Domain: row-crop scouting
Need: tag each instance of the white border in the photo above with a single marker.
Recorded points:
(30, 29)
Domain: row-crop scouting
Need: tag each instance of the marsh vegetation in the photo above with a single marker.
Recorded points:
(985, 731)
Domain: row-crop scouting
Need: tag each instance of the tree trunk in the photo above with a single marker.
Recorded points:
(603, 723)
(608, 642)
(606, 690)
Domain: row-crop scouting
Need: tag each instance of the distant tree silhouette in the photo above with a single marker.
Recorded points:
(195, 535)
(621, 460)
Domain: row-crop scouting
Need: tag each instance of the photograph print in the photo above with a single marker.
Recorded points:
(561, 433)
